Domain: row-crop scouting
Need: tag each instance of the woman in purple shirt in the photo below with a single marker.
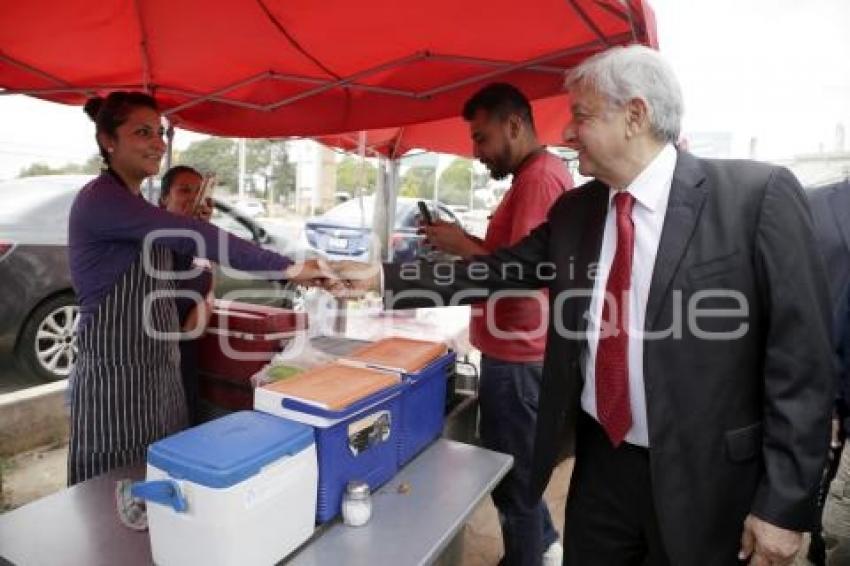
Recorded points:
(126, 391)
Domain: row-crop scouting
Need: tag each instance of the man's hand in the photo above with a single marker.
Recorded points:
(354, 278)
(313, 272)
(765, 544)
(450, 238)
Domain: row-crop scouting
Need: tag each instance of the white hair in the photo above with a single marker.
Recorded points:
(621, 74)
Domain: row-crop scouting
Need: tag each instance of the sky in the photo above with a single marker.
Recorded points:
(774, 70)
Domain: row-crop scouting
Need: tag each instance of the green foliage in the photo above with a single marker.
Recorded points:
(38, 169)
(348, 175)
(418, 182)
(213, 155)
(455, 182)
(91, 166)
(268, 160)
(266, 164)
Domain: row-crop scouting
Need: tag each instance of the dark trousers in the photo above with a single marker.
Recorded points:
(817, 548)
(610, 516)
(508, 397)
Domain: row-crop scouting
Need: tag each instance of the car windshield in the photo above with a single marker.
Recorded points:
(35, 209)
(359, 211)
(18, 197)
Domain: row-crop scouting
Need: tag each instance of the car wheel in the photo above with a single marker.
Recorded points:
(47, 346)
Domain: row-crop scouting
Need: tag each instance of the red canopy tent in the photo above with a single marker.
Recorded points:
(449, 135)
(272, 68)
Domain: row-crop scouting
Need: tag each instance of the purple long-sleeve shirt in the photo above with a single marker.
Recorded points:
(108, 225)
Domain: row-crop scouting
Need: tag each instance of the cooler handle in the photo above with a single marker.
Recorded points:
(164, 492)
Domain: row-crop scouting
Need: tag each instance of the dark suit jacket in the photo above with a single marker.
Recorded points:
(830, 207)
(735, 426)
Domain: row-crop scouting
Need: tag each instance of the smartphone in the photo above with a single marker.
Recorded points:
(425, 213)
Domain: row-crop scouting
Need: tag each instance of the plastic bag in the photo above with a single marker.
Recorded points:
(299, 355)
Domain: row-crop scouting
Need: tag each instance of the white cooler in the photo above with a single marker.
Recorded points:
(237, 490)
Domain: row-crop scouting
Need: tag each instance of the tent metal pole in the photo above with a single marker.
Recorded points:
(85, 91)
(591, 46)
(234, 86)
(143, 48)
(588, 22)
(392, 168)
(220, 100)
(356, 86)
(33, 70)
(494, 63)
(169, 149)
(345, 81)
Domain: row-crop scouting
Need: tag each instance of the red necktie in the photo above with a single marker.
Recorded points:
(612, 354)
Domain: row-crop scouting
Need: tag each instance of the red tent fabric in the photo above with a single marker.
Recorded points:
(272, 68)
(450, 135)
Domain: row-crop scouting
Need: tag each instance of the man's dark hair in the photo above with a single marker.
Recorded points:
(500, 100)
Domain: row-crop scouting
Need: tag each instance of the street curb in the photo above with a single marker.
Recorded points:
(33, 417)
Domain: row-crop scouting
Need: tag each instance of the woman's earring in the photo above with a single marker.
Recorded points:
(110, 149)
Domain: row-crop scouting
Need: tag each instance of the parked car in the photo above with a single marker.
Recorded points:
(345, 231)
(250, 207)
(38, 308)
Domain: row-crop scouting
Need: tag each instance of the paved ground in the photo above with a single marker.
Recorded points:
(482, 542)
(32, 475)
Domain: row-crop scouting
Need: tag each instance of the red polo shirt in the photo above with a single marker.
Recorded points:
(517, 325)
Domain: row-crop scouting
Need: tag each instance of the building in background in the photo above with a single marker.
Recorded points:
(315, 176)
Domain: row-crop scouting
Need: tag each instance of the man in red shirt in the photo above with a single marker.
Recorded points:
(511, 331)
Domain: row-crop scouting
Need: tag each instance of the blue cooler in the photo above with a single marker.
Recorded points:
(424, 367)
(423, 407)
(356, 443)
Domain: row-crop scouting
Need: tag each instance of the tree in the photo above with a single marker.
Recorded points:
(93, 164)
(268, 159)
(90, 167)
(213, 155)
(37, 169)
(418, 182)
(348, 175)
(455, 182)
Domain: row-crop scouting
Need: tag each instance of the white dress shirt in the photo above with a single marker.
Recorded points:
(651, 190)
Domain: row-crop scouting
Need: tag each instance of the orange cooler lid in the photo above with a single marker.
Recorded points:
(334, 386)
(398, 354)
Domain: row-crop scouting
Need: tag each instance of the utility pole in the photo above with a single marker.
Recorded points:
(241, 178)
(471, 185)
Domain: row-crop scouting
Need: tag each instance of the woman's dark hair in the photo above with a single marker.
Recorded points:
(110, 112)
(170, 175)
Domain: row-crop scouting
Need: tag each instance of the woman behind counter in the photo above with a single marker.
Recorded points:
(178, 194)
(127, 392)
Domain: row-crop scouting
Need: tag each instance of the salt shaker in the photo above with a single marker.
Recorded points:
(356, 504)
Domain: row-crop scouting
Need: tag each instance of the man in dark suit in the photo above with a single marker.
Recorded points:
(830, 207)
(688, 349)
